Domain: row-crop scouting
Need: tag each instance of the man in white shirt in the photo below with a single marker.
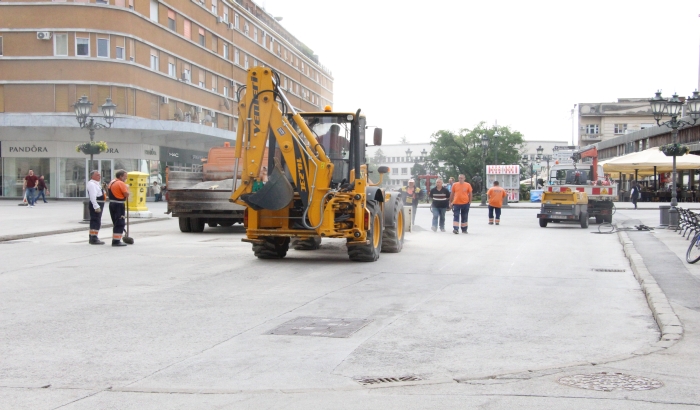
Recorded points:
(97, 197)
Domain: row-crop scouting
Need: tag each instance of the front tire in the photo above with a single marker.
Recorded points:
(272, 247)
(184, 224)
(392, 238)
(543, 223)
(693, 254)
(370, 252)
(306, 244)
(584, 220)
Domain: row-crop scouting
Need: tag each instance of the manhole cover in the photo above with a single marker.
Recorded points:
(381, 380)
(317, 326)
(610, 381)
(608, 270)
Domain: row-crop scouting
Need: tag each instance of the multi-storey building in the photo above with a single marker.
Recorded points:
(400, 158)
(603, 121)
(173, 67)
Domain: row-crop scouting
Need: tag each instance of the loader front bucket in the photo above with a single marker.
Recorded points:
(276, 194)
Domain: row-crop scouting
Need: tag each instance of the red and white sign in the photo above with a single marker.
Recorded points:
(503, 169)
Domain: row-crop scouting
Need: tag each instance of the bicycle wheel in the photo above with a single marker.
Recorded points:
(693, 254)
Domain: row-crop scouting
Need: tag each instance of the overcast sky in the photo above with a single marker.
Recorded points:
(418, 67)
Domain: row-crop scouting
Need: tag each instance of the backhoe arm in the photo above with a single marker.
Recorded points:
(310, 168)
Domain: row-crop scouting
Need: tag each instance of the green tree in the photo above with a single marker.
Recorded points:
(418, 169)
(461, 151)
(378, 157)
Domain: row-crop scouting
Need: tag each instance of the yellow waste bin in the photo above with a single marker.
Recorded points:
(138, 187)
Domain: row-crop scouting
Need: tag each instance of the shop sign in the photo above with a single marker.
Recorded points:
(503, 169)
(28, 149)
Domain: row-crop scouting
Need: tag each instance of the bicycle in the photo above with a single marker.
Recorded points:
(693, 254)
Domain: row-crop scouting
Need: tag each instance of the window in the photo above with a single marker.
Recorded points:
(187, 74)
(188, 29)
(120, 53)
(225, 91)
(620, 128)
(154, 60)
(592, 129)
(395, 171)
(171, 20)
(226, 14)
(245, 28)
(285, 83)
(245, 61)
(213, 6)
(154, 10)
(202, 38)
(103, 47)
(56, 54)
(235, 20)
(171, 67)
(236, 57)
(60, 45)
(302, 66)
(404, 171)
(225, 51)
(202, 75)
(82, 47)
(213, 83)
(255, 63)
(255, 34)
(214, 44)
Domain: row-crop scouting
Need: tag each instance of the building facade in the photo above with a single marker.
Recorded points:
(174, 68)
(603, 121)
(400, 158)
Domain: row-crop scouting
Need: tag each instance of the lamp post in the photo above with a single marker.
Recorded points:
(539, 150)
(83, 107)
(672, 107)
(495, 142)
(484, 146)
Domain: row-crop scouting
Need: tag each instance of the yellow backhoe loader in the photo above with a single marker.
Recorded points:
(317, 184)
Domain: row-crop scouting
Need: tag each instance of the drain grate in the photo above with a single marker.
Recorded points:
(383, 380)
(610, 381)
(607, 270)
(318, 326)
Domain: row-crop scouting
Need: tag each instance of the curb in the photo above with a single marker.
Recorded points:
(7, 238)
(669, 324)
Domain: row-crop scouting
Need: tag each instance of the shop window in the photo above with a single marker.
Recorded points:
(60, 44)
(82, 47)
(103, 47)
(72, 178)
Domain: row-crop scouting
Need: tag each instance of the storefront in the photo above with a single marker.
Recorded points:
(65, 170)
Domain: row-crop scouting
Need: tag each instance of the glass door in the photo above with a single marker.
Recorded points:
(106, 168)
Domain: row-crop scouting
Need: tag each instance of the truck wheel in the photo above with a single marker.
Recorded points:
(584, 220)
(370, 252)
(184, 224)
(392, 239)
(599, 219)
(543, 223)
(306, 244)
(607, 219)
(273, 247)
(197, 224)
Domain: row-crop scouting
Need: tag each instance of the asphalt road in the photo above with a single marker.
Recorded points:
(183, 321)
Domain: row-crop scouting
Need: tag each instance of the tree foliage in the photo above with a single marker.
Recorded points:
(417, 169)
(461, 152)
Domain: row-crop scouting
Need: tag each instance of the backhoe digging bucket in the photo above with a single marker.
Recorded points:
(276, 194)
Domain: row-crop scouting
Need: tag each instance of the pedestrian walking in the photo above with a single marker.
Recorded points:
(460, 199)
(410, 195)
(450, 182)
(440, 199)
(42, 190)
(30, 183)
(97, 203)
(118, 192)
(496, 194)
(156, 191)
(636, 192)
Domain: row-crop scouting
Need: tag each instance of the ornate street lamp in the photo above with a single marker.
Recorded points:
(496, 135)
(484, 147)
(83, 108)
(673, 108)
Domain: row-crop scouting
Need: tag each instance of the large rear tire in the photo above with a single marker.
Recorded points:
(543, 223)
(370, 252)
(273, 247)
(599, 219)
(392, 238)
(306, 244)
(584, 220)
(197, 224)
(184, 224)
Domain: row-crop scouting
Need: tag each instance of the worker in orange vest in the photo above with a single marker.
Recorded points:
(496, 194)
